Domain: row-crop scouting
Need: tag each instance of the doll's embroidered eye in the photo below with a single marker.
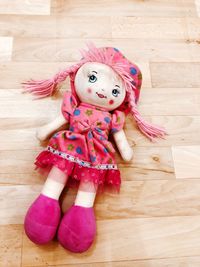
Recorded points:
(115, 92)
(92, 78)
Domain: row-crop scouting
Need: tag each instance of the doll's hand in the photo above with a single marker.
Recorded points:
(123, 145)
(127, 153)
(42, 133)
(45, 131)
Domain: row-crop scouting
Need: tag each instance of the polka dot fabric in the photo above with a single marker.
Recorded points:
(84, 152)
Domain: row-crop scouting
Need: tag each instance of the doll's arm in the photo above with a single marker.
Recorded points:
(123, 145)
(45, 131)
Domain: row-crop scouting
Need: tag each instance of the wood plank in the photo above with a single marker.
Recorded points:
(197, 7)
(191, 8)
(170, 101)
(31, 7)
(55, 26)
(16, 98)
(183, 130)
(31, 178)
(15, 162)
(137, 199)
(20, 133)
(83, 27)
(192, 25)
(23, 196)
(149, 28)
(17, 166)
(138, 50)
(10, 245)
(26, 70)
(175, 74)
(6, 45)
(164, 8)
(153, 102)
(139, 239)
(169, 262)
(149, 199)
(147, 164)
(186, 161)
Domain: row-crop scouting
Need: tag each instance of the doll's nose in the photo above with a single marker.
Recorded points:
(102, 89)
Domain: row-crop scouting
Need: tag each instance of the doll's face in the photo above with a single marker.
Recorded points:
(99, 85)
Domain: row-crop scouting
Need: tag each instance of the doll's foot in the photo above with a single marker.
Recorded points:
(42, 219)
(77, 229)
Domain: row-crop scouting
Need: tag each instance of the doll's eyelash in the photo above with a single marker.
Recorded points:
(92, 77)
(92, 72)
(117, 89)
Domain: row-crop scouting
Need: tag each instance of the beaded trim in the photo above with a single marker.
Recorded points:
(81, 162)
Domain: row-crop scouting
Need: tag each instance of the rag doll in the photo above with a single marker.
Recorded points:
(105, 86)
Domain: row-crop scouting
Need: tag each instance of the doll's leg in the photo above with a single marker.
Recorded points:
(43, 216)
(86, 195)
(78, 226)
(55, 183)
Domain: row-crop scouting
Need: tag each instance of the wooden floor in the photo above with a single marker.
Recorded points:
(155, 221)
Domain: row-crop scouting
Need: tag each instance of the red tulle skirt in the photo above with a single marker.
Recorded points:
(103, 180)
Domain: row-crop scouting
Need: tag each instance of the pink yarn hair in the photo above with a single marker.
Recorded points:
(44, 88)
(149, 130)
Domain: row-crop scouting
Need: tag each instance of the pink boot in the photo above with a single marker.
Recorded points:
(42, 219)
(77, 229)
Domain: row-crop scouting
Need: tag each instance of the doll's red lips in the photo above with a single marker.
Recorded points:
(101, 95)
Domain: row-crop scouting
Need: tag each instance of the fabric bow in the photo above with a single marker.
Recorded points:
(97, 139)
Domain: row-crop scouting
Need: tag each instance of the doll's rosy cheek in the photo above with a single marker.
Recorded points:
(111, 102)
(89, 90)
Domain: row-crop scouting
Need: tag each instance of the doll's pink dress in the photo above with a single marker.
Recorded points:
(84, 152)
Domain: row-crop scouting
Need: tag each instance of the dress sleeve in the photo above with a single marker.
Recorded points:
(117, 123)
(69, 103)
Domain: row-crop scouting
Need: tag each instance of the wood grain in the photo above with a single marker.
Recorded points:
(27, 70)
(161, 8)
(150, 238)
(60, 25)
(137, 199)
(170, 262)
(182, 130)
(165, 74)
(62, 49)
(186, 161)
(31, 7)
(10, 245)
(149, 28)
(6, 44)
(193, 28)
